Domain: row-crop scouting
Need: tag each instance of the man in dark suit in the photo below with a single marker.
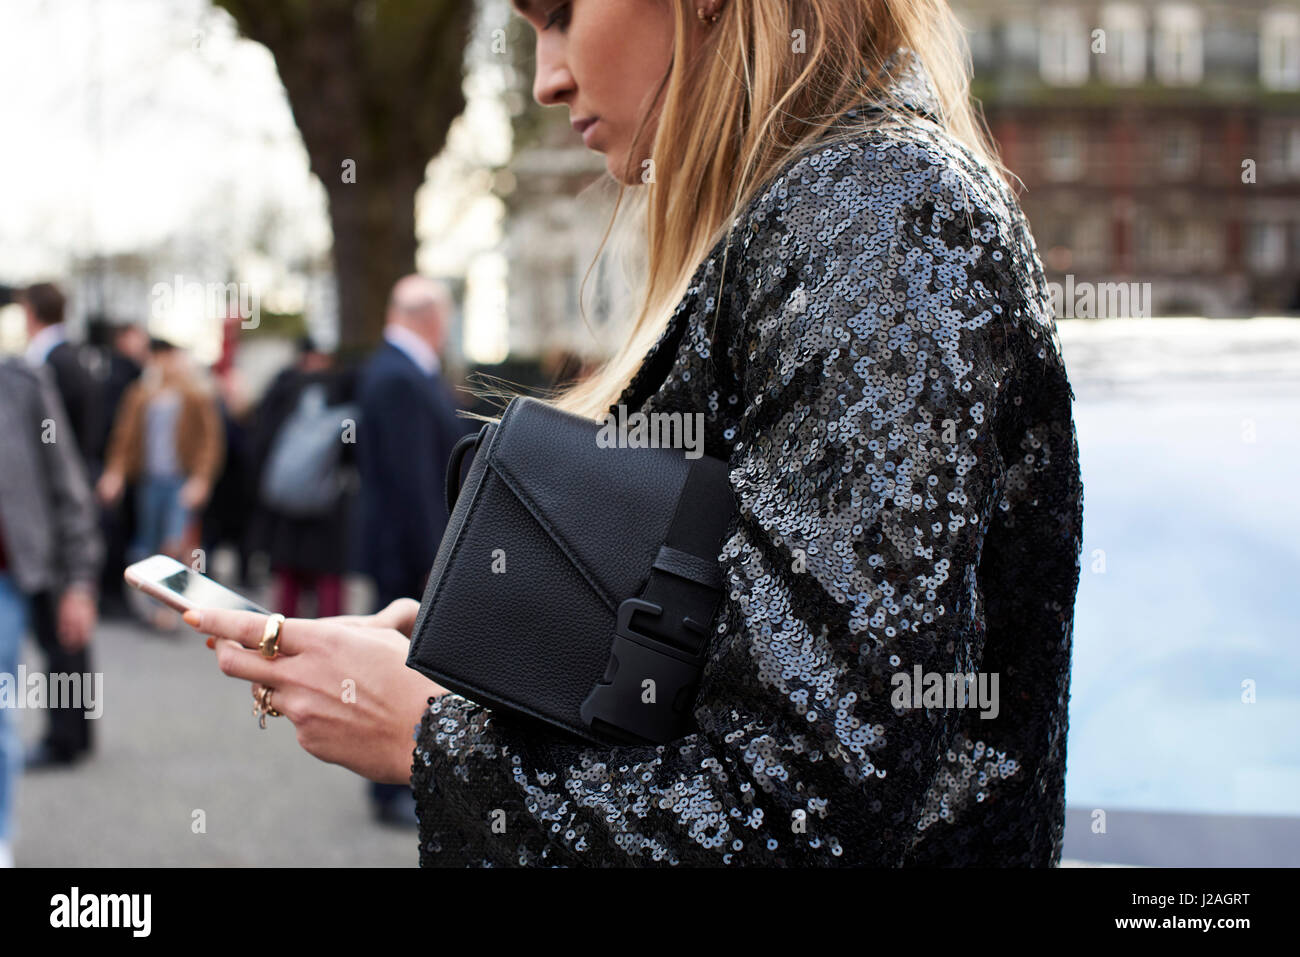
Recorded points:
(68, 736)
(407, 429)
(48, 345)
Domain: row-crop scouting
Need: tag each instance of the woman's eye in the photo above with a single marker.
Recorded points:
(561, 12)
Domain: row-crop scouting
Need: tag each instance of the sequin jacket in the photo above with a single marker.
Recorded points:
(879, 363)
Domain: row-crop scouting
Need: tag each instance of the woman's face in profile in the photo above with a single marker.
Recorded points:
(605, 60)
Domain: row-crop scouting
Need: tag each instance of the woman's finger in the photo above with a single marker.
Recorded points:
(397, 612)
(289, 701)
(239, 662)
(246, 627)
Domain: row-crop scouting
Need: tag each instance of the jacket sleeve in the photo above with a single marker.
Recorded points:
(865, 352)
(212, 446)
(76, 389)
(79, 549)
(125, 433)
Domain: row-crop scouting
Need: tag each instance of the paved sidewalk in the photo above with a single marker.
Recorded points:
(178, 737)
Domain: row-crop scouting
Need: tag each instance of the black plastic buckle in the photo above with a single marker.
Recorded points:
(617, 705)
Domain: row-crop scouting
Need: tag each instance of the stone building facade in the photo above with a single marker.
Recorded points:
(1158, 142)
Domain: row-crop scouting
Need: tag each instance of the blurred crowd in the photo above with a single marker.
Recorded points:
(122, 446)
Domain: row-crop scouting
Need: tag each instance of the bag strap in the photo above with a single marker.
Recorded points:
(454, 461)
(662, 635)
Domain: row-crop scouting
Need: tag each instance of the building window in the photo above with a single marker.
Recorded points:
(1125, 60)
(1291, 152)
(1205, 239)
(1266, 247)
(1179, 151)
(1092, 242)
(1063, 47)
(1279, 49)
(1282, 151)
(1178, 45)
(1063, 154)
(1180, 247)
(979, 36)
(1179, 244)
(1018, 40)
(1153, 242)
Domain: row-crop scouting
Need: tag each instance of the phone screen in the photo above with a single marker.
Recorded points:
(203, 592)
(179, 586)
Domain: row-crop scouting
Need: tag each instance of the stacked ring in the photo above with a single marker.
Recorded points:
(262, 705)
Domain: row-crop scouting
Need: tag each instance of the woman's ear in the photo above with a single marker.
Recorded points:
(708, 11)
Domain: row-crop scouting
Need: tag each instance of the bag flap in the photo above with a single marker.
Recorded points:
(586, 496)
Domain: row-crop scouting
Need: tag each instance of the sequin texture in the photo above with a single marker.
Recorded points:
(878, 362)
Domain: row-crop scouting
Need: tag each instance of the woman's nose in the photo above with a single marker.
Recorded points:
(552, 83)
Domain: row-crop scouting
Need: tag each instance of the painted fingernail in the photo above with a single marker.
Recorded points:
(192, 618)
(211, 642)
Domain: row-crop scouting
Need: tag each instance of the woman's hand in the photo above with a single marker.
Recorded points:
(109, 487)
(76, 616)
(345, 686)
(399, 615)
(195, 491)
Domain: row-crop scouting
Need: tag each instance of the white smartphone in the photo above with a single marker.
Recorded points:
(182, 588)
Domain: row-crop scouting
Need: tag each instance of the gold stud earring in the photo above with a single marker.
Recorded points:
(706, 17)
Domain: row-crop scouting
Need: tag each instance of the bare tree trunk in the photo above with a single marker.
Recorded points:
(373, 88)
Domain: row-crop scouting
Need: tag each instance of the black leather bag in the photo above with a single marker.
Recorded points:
(575, 584)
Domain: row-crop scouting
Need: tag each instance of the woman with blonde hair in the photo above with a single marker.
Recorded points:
(841, 280)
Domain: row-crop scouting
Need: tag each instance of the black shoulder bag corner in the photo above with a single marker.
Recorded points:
(577, 582)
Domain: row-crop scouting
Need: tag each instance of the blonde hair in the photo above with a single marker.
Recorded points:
(748, 102)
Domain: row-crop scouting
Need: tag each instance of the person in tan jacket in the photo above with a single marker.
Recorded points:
(168, 440)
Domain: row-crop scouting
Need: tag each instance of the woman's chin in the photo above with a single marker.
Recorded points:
(616, 164)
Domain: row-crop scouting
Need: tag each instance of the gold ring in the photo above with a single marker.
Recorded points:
(266, 703)
(270, 644)
(262, 706)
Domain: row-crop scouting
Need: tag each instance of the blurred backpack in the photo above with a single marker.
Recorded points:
(303, 477)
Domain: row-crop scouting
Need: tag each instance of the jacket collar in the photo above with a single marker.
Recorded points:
(413, 347)
(45, 342)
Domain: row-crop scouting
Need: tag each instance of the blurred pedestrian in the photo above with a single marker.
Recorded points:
(167, 437)
(300, 456)
(127, 355)
(408, 427)
(62, 362)
(124, 361)
(227, 519)
(48, 344)
(49, 559)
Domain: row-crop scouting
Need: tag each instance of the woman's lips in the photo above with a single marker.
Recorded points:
(586, 129)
